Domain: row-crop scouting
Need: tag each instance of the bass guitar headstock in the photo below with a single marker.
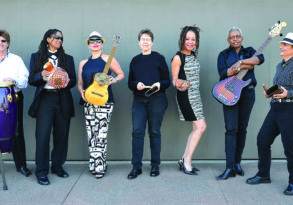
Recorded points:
(277, 28)
(116, 40)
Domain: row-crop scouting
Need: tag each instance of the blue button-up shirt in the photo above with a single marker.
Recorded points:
(284, 76)
(229, 56)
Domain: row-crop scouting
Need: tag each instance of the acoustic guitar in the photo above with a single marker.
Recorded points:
(97, 92)
(228, 91)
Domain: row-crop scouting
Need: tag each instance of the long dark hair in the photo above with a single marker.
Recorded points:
(43, 50)
(182, 38)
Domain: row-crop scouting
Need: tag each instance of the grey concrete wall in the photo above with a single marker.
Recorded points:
(27, 20)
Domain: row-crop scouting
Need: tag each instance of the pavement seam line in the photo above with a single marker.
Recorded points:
(73, 186)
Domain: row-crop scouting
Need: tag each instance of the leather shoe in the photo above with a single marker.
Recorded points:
(226, 174)
(60, 173)
(155, 171)
(289, 190)
(134, 173)
(43, 180)
(238, 170)
(24, 171)
(258, 180)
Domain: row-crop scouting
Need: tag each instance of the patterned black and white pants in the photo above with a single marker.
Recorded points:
(97, 120)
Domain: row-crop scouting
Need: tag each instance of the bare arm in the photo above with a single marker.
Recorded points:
(180, 84)
(116, 68)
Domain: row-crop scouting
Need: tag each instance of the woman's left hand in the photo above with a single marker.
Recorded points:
(112, 79)
(281, 95)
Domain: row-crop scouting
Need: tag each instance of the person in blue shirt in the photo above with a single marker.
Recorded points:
(279, 119)
(230, 62)
(97, 117)
(148, 79)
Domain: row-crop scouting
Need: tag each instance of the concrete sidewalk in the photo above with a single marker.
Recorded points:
(171, 187)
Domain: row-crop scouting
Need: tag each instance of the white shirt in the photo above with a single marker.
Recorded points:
(54, 60)
(13, 67)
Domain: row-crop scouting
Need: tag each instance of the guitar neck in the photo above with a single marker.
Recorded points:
(242, 73)
(107, 66)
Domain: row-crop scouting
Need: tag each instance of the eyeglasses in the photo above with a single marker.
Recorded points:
(3, 41)
(99, 41)
(58, 37)
(236, 36)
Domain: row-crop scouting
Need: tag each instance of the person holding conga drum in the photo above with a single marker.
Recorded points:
(52, 73)
(95, 77)
(13, 78)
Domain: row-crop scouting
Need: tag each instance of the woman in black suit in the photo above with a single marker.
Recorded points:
(52, 106)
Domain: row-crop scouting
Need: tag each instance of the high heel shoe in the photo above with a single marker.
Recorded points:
(180, 164)
(185, 171)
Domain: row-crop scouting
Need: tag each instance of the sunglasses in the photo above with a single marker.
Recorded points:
(3, 41)
(58, 37)
(91, 41)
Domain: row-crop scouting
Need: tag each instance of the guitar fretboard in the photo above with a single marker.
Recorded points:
(242, 73)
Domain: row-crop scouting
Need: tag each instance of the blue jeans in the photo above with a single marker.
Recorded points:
(236, 120)
(147, 110)
(278, 121)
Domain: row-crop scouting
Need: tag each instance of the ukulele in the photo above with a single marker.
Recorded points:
(97, 92)
(228, 91)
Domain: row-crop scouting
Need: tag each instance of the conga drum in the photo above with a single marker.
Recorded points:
(8, 116)
(8, 121)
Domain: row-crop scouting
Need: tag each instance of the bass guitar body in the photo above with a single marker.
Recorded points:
(97, 94)
(228, 91)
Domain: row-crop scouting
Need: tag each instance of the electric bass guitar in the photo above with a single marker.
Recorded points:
(228, 91)
(97, 92)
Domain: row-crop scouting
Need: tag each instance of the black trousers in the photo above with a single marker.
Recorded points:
(18, 151)
(278, 121)
(149, 111)
(236, 121)
(50, 117)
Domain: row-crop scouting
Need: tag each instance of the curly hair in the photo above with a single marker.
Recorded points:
(182, 38)
(43, 49)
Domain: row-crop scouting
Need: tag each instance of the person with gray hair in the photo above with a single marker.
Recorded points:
(230, 62)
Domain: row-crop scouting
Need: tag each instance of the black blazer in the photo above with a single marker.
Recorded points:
(35, 79)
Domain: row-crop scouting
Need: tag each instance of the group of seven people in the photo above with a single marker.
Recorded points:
(52, 107)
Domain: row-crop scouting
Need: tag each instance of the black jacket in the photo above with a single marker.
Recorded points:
(35, 79)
